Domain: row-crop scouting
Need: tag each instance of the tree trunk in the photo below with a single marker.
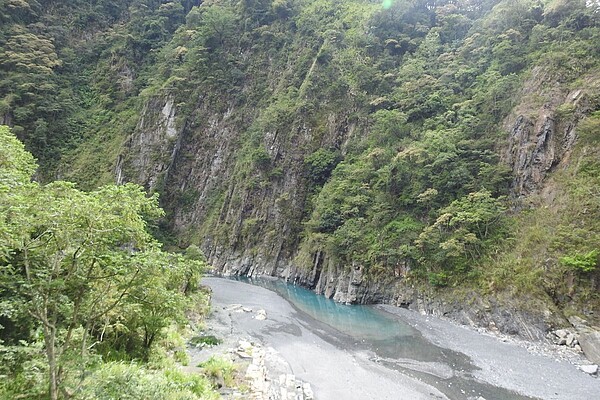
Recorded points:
(50, 341)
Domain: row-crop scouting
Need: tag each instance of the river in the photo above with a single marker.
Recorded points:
(365, 352)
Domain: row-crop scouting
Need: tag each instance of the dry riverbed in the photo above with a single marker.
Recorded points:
(281, 353)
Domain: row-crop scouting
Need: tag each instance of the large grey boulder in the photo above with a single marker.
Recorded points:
(589, 340)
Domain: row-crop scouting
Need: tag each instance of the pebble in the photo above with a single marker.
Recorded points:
(261, 315)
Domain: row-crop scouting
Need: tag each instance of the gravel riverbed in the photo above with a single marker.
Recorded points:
(297, 357)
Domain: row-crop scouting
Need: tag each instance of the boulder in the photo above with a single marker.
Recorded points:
(561, 333)
(307, 390)
(243, 354)
(589, 341)
(244, 345)
(589, 369)
(261, 315)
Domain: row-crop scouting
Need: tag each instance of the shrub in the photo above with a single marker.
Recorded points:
(219, 370)
(581, 262)
(205, 340)
(124, 381)
(438, 279)
(320, 164)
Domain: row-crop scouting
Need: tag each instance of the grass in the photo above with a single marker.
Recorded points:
(220, 371)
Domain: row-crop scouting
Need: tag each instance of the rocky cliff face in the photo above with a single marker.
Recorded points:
(252, 226)
(541, 138)
(152, 149)
(247, 219)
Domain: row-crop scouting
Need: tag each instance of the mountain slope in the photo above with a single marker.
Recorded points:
(361, 149)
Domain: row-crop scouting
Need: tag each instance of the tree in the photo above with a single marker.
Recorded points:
(70, 258)
(320, 164)
(154, 302)
(459, 233)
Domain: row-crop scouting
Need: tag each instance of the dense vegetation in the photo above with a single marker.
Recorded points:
(417, 181)
(85, 289)
(373, 133)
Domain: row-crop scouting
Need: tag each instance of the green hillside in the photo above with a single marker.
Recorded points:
(371, 151)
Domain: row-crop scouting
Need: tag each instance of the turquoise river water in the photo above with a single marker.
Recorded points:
(391, 342)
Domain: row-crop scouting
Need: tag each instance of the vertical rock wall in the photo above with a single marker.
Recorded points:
(151, 150)
(541, 139)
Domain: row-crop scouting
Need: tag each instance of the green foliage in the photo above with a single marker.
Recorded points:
(205, 340)
(261, 158)
(80, 266)
(131, 381)
(438, 279)
(158, 301)
(589, 129)
(219, 370)
(459, 234)
(320, 164)
(391, 113)
(63, 65)
(551, 249)
(24, 371)
(389, 126)
(16, 165)
(581, 262)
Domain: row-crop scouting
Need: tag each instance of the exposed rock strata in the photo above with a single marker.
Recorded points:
(541, 140)
(152, 148)
(256, 229)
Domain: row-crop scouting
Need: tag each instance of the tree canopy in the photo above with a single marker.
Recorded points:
(83, 268)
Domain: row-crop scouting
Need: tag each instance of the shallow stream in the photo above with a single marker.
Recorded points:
(388, 341)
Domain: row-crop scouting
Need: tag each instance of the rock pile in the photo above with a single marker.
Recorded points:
(261, 372)
(262, 384)
(584, 339)
(291, 388)
(566, 337)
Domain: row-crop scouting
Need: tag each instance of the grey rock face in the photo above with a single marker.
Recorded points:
(578, 323)
(537, 143)
(250, 222)
(151, 149)
(590, 344)
(531, 152)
